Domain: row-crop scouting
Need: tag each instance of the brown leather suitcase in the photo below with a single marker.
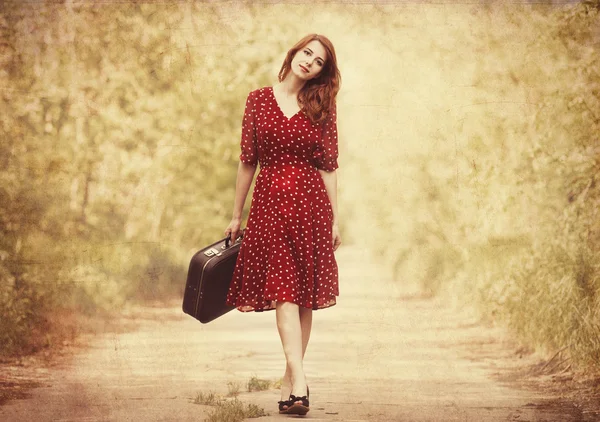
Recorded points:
(208, 278)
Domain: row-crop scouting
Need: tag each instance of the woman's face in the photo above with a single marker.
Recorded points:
(309, 60)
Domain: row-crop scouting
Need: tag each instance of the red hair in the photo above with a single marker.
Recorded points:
(317, 96)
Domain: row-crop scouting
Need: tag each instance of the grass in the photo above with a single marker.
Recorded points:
(257, 384)
(233, 389)
(277, 383)
(234, 411)
(230, 408)
(208, 399)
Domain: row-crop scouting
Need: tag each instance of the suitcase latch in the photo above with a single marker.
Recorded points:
(211, 252)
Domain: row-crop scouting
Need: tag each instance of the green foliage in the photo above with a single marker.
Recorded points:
(116, 159)
(550, 290)
(497, 186)
(120, 127)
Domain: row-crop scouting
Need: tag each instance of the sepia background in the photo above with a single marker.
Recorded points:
(469, 153)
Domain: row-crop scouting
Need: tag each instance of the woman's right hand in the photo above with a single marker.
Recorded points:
(233, 229)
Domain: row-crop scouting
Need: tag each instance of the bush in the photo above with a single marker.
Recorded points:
(494, 160)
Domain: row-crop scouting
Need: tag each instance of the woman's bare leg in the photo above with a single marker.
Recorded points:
(294, 324)
(306, 326)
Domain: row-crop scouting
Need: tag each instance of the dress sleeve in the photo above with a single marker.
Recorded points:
(326, 154)
(249, 154)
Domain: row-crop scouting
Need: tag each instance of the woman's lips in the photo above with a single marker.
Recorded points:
(303, 68)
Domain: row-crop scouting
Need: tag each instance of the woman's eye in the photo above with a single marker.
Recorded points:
(320, 63)
(307, 52)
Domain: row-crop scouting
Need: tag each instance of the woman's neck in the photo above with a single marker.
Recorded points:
(291, 85)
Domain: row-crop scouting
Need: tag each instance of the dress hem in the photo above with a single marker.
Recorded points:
(250, 308)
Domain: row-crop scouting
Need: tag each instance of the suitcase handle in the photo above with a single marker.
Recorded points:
(228, 238)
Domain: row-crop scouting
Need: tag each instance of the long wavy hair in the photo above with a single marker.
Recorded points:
(317, 96)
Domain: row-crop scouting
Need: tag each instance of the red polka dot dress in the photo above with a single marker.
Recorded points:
(286, 253)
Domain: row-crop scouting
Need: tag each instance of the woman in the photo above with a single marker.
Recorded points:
(286, 259)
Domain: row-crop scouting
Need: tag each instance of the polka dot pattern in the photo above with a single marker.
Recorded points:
(286, 253)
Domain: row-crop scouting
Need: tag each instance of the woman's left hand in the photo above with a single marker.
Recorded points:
(336, 238)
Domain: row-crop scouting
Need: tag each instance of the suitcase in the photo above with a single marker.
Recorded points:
(208, 278)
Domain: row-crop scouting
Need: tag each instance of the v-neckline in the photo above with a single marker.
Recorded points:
(279, 107)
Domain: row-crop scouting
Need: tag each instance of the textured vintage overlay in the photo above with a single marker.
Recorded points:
(468, 180)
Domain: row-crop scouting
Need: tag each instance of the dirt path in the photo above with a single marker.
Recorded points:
(373, 357)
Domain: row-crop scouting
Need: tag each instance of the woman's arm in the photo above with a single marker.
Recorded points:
(330, 180)
(245, 175)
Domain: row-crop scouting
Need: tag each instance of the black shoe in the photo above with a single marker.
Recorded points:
(297, 408)
(284, 403)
